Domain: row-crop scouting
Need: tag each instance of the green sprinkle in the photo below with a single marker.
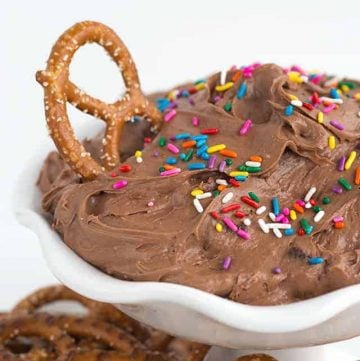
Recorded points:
(162, 142)
(317, 209)
(228, 161)
(306, 226)
(345, 184)
(253, 169)
(349, 84)
(161, 169)
(189, 155)
(254, 197)
(326, 200)
(228, 107)
(241, 167)
(216, 193)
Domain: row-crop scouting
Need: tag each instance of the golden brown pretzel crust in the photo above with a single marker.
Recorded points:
(59, 90)
(256, 357)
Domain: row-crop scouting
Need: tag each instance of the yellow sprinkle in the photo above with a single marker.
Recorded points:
(226, 86)
(293, 97)
(200, 86)
(138, 154)
(332, 142)
(345, 88)
(196, 192)
(172, 94)
(235, 173)
(216, 148)
(293, 215)
(295, 76)
(350, 160)
(218, 227)
(320, 117)
(357, 96)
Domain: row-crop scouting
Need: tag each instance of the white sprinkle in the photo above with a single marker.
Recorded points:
(250, 163)
(331, 100)
(272, 216)
(304, 78)
(198, 205)
(263, 226)
(319, 216)
(296, 103)
(260, 210)
(227, 197)
(139, 160)
(308, 205)
(279, 225)
(247, 221)
(223, 77)
(309, 194)
(277, 232)
(222, 181)
(203, 196)
(332, 82)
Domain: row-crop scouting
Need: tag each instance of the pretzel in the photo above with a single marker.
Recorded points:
(59, 90)
(256, 357)
(39, 325)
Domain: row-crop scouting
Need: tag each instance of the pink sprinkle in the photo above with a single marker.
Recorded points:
(316, 79)
(222, 166)
(300, 202)
(286, 211)
(217, 98)
(170, 172)
(341, 164)
(246, 127)
(336, 124)
(337, 219)
(195, 121)
(279, 218)
(329, 108)
(120, 184)
(247, 74)
(211, 163)
(170, 115)
(227, 263)
(172, 148)
(285, 220)
(243, 234)
(230, 224)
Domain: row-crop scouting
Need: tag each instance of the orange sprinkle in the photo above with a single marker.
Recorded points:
(256, 158)
(236, 76)
(357, 176)
(339, 225)
(228, 153)
(221, 187)
(188, 144)
(168, 167)
(298, 208)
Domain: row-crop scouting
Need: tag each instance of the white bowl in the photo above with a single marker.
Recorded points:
(185, 311)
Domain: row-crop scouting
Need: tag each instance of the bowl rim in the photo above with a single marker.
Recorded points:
(87, 280)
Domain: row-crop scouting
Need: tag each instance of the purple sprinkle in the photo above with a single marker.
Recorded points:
(358, 146)
(341, 164)
(227, 263)
(336, 124)
(172, 105)
(191, 101)
(173, 138)
(212, 161)
(243, 234)
(230, 224)
(155, 153)
(222, 166)
(337, 189)
(276, 270)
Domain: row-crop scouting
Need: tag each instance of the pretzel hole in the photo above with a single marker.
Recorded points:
(93, 71)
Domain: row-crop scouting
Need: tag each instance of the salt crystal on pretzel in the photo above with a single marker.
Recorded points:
(59, 90)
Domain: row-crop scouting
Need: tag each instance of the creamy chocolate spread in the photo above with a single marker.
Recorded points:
(150, 229)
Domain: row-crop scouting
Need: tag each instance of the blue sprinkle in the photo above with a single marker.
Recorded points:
(171, 160)
(194, 166)
(202, 150)
(199, 137)
(334, 93)
(289, 110)
(242, 91)
(205, 156)
(200, 143)
(309, 229)
(276, 206)
(182, 136)
(182, 156)
(185, 94)
(162, 103)
(289, 231)
(240, 178)
(315, 260)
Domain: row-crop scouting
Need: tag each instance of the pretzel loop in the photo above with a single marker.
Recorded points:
(59, 90)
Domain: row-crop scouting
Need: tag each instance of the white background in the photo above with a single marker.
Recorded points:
(171, 41)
